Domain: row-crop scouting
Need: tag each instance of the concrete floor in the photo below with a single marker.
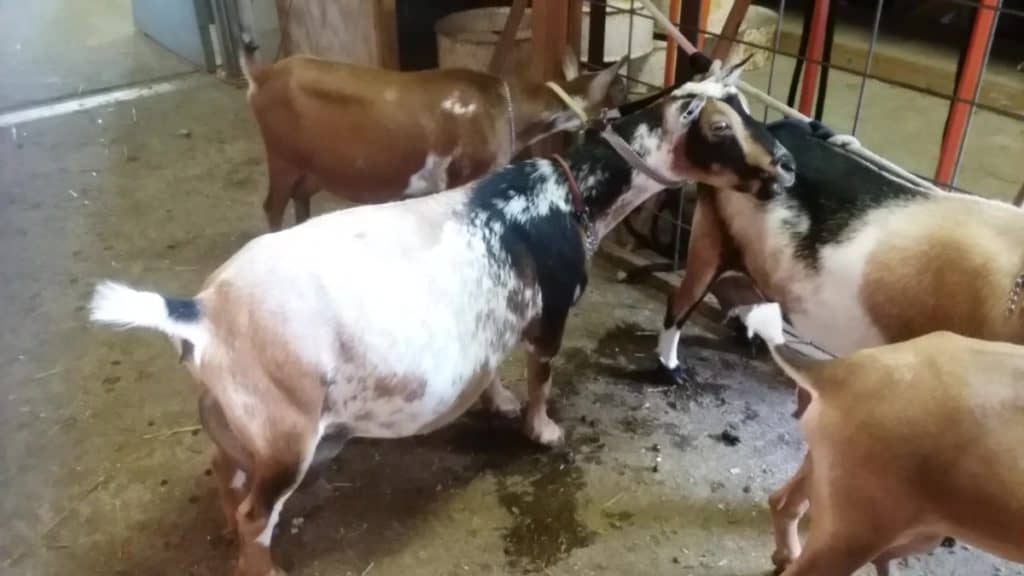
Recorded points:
(94, 481)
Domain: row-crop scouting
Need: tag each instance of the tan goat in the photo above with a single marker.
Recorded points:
(857, 257)
(371, 135)
(907, 443)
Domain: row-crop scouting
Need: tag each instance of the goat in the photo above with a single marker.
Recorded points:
(857, 257)
(907, 443)
(371, 135)
(340, 328)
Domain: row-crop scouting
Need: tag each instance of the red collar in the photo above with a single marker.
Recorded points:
(578, 207)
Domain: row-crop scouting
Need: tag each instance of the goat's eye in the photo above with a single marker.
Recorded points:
(719, 127)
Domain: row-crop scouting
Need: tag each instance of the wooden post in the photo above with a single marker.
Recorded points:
(499, 58)
(1019, 200)
(550, 21)
(730, 30)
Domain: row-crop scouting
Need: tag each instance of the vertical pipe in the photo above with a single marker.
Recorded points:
(670, 44)
(595, 47)
(629, 47)
(867, 67)
(815, 49)
(826, 57)
(967, 84)
(801, 55)
(977, 92)
(775, 52)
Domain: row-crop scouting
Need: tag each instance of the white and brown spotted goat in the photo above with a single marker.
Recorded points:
(857, 257)
(371, 135)
(907, 443)
(340, 327)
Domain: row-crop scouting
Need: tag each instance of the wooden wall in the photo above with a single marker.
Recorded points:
(356, 31)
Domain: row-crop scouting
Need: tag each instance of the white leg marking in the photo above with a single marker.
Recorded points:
(668, 347)
(238, 480)
(431, 178)
(268, 531)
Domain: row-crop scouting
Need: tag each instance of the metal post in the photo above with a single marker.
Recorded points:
(815, 49)
(967, 84)
(595, 48)
(867, 67)
(977, 93)
(775, 52)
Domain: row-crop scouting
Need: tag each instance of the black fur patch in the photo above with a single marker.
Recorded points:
(182, 309)
(550, 246)
(833, 189)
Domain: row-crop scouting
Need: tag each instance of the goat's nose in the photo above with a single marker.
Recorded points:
(785, 167)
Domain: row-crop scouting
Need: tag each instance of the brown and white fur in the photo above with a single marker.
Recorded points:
(857, 258)
(907, 443)
(342, 327)
(373, 135)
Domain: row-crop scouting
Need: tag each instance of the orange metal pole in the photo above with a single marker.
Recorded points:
(705, 9)
(670, 47)
(815, 49)
(956, 121)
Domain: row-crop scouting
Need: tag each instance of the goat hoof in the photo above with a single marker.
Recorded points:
(677, 376)
(780, 561)
(545, 432)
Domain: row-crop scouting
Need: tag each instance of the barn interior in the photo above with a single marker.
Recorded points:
(127, 150)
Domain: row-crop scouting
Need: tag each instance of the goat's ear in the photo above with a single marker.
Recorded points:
(607, 87)
(731, 74)
(570, 64)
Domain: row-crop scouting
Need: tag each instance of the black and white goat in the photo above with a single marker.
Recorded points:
(856, 256)
(342, 327)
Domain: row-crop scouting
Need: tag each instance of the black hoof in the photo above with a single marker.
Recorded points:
(678, 376)
(754, 344)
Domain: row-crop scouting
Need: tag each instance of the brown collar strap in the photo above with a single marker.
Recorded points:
(579, 209)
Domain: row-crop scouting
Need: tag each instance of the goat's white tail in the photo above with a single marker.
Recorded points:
(121, 306)
(254, 72)
(765, 320)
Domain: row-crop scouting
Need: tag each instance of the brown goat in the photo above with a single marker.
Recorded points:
(371, 135)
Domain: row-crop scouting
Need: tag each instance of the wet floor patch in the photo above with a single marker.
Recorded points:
(543, 503)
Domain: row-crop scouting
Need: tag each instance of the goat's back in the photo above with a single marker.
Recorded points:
(934, 427)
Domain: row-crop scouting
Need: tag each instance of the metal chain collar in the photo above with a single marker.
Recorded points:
(1013, 302)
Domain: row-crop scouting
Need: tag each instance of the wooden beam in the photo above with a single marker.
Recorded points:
(387, 34)
(550, 22)
(730, 30)
(499, 58)
(575, 29)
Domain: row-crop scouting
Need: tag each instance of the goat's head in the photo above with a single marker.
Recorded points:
(593, 91)
(724, 146)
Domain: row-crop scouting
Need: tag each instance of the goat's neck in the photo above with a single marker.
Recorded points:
(612, 188)
(537, 112)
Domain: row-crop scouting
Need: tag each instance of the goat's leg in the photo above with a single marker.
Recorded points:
(231, 486)
(919, 545)
(703, 265)
(302, 194)
(497, 398)
(787, 506)
(274, 477)
(282, 180)
(538, 425)
(230, 461)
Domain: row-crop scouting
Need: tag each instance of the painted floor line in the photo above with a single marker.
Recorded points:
(80, 103)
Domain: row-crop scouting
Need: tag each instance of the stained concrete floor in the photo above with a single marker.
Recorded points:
(94, 480)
